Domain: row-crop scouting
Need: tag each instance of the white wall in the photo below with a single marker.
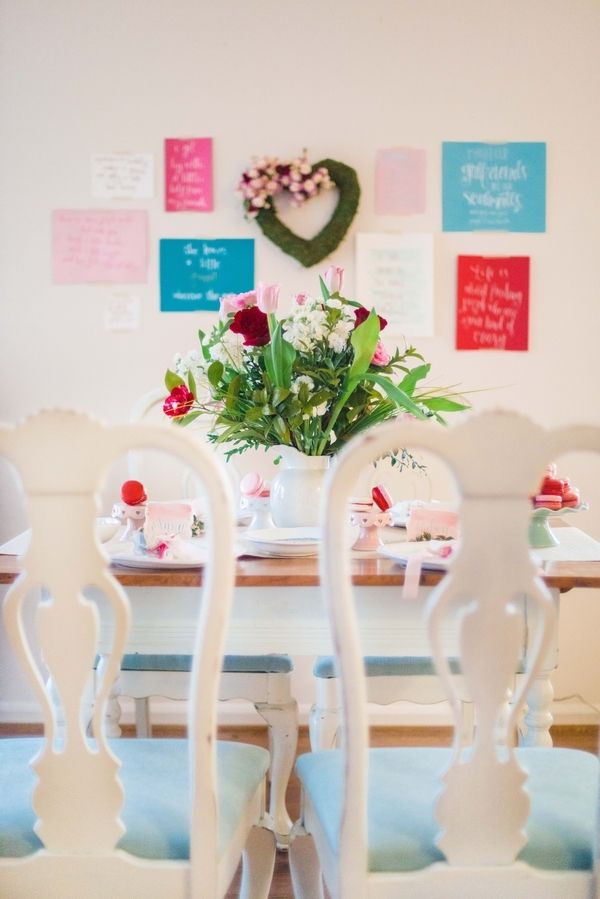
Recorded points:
(268, 76)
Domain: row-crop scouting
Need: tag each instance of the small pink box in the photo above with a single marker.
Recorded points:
(430, 523)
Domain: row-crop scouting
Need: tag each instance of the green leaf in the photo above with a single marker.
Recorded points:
(186, 419)
(279, 362)
(394, 393)
(443, 404)
(409, 382)
(192, 385)
(324, 289)
(205, 349)
(364, 340)
(172, 380)
(280, 394)
(215, 373)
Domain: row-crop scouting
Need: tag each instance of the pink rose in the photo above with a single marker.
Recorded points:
(233, 302)
(267, 296)
(381, 355)
(300, 299)
(334, 278)
(179, 402)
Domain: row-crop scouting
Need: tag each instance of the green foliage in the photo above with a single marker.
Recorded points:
(314, 394)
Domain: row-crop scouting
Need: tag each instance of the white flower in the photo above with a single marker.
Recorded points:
(192, 361)
(338, 337)
(230, 350)
(299, 381)
(306, 327)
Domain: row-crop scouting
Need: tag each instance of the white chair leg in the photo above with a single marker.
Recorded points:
(305, 868)
(325, 715)
(282, 721)
(258, 861)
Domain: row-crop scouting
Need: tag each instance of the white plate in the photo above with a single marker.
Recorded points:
(131, 560)
(283, 542)
(402, 552)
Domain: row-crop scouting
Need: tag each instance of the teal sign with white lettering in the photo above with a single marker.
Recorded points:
(195, 274)
(493, 187)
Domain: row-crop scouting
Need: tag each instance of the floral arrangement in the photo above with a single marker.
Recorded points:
(268, 176)
(311, 379)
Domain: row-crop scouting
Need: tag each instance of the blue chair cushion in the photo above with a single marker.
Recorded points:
(381, 666)
(265, 664)
(156, 781)
(404, 784)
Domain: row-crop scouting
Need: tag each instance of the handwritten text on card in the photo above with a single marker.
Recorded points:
(492, 305)
(99, 246)
(188, 174)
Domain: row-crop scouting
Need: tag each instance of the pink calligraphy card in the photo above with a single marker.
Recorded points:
(188, 174)
(400, 181)
(492, 303)
(95, 245)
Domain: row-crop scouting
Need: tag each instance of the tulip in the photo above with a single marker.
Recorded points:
(267, 296)
(334, 277)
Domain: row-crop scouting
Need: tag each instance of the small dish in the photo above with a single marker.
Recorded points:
(106, 528)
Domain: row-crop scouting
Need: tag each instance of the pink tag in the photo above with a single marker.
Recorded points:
(412, 576)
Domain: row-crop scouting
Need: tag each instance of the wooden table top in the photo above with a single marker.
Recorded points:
(304, 572)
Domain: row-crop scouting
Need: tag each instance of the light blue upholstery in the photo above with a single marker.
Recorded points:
(404, 783)
(155, 777)
(265, 664)
(380, 666)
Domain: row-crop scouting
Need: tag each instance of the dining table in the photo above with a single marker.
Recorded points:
(278, 608)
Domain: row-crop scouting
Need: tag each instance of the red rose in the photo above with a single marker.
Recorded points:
(361, 314)
(179, 402)
(253, 325)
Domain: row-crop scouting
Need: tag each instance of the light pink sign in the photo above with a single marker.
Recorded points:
(400, 181)
(98, 245)
(188, 174)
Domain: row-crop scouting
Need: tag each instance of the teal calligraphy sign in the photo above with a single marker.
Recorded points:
(493, 187)
(194, 274)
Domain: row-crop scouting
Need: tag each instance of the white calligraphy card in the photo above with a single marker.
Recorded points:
(122, 312)
(122, 176)
(394, 274)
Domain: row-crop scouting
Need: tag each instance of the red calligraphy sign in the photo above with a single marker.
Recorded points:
(492, 303)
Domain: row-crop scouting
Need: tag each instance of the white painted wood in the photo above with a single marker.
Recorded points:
(483, 805)
(258, 688)
(62, 458)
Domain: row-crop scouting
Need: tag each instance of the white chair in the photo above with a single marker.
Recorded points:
(83, 817)
(265, 680)
(389, 679)
(486, 820)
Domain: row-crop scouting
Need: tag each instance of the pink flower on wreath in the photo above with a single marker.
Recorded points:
(267, 297)
(334, 278)
(179, 401)
(381, 355)
(233, 302)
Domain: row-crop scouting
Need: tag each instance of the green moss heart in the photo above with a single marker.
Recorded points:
(309, 252)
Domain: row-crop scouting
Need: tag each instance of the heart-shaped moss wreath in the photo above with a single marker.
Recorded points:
(309, 252)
